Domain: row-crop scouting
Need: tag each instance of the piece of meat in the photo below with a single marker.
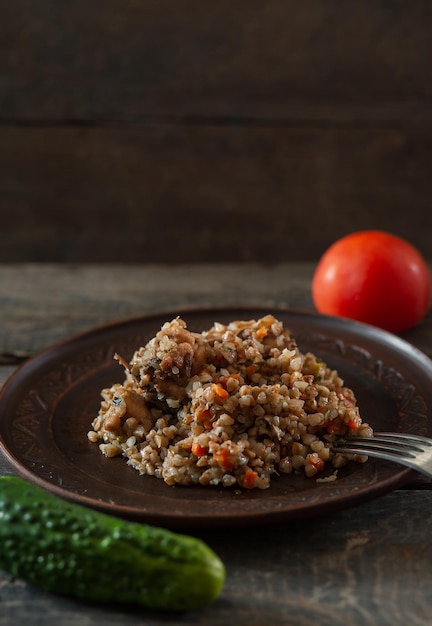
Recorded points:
(178, 362)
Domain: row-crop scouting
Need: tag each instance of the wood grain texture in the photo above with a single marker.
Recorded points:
(204, 193)
(42, 303)
(338, 60)
(217, 131)
(366, 566)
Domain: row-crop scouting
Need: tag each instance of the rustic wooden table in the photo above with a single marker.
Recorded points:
(371, 564)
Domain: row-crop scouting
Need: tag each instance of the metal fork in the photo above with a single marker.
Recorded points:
(414, 451)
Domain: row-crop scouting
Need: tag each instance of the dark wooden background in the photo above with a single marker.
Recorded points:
(183, 131)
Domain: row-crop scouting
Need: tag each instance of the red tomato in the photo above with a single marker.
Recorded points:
(373, 277)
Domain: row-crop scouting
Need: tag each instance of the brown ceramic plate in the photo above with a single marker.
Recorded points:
(47, 406)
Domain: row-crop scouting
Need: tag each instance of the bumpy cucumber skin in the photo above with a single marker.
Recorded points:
(69, 549)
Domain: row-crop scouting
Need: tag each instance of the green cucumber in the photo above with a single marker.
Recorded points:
(70, 549)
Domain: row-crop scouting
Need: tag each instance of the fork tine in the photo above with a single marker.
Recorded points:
(414, 451)
(369, 446)
(388, 442)
(386, 456)
(425, 441)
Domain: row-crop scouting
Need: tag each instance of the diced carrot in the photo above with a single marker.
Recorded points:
(198, 449)
(251, 369)
(202, 415)
(316, 461)
(223, 457)
(220, 391)
(261, 332)
(249, 479)
(353, 424)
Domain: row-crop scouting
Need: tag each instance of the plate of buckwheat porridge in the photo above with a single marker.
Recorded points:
(215, 417)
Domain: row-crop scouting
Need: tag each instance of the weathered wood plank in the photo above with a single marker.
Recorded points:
(206, 193)
(350, 60)
(127, 126)
(362, 567)
(43, 303)
(366, 566)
